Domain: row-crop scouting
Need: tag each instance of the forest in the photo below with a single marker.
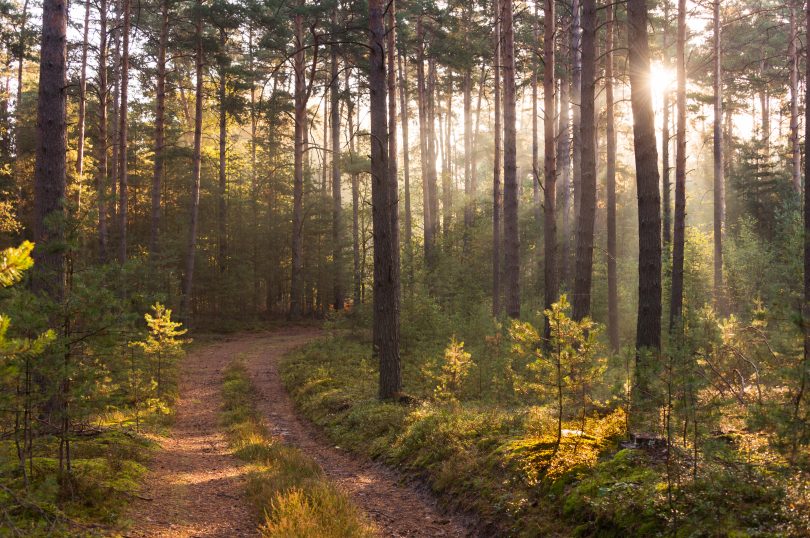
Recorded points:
(406, 268)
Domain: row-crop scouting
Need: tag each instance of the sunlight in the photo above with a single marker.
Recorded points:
(662, 80)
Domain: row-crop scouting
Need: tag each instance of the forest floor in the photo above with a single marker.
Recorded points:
(196, 488)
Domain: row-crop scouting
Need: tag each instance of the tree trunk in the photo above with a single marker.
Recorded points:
(406, 163)
(222, 215)
(49, 171)
(447, 179)
(82, 108)
(191, 246)
(337, 209)
(535, 131)
(358, 282)
(468, 196)
(612, 253)
(123, 127)
(102, 142)
(386, 305)
(679, 230)
(297, 282)
(576, 110)
(581, 304)
(393, 177)
(564, 165)
(648, 328)
(496, 169)
(549, 163)
(666, 186)
(793, 58)
(427, 156)
(160, 113)
(719, 180)
(510, 184)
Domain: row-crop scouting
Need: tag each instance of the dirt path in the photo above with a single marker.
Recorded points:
(398, 510)
(197, 488)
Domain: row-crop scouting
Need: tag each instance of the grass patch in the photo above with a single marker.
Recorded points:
(497, 459)
(288, 488)
(107, 469)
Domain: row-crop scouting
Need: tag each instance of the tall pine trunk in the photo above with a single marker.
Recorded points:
(612, 252)
(222, 209)
(296, 281)
(160, 113)
(679, 230)
(393, 176)
(496, 168)
(549, 163)
(648, 327)
(793, 58)
(386, 274)
(581, 304)
(49, 171)
(576, 110)
(535, 134)
(82, 108)
(719, 179)
(406, 163)
(191, 245)
(337, 209)
(123, 129)
(511, 238)
(426, 151)
(102, 143)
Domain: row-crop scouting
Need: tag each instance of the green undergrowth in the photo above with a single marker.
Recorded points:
(107, 467)
(288, 489)
(498, 461)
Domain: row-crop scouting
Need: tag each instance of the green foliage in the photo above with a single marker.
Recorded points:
(452, 371)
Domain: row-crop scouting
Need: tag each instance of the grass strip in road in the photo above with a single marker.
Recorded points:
(289, 490)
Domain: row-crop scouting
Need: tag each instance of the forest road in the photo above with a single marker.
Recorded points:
(197, 487)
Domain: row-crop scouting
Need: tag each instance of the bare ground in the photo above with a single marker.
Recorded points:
(196, 487)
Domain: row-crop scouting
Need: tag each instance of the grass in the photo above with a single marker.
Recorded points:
(288, 489)
(497, 460)
(107, 469)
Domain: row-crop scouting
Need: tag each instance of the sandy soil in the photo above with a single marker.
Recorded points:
(196, 487)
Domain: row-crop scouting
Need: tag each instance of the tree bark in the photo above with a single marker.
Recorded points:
(358, 282)
(427, 155)
(191, 245)
(102, 142)
(679, 230)
(393, 176)
(406, 163)
(581, 304)
(535, 132)
(160, 113)
(719, 179)
(337, 208)
(447, 179)
(666, 186)
(612, 252)
(82, 108)
(648, 328)
(296, 281)
(564, 163)
(222, 209)
(793, 58)
(49, 171)
(510, 184)
(123, 128)
(549, 163)
(496, 168)
(386, 305)
(576, 110)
